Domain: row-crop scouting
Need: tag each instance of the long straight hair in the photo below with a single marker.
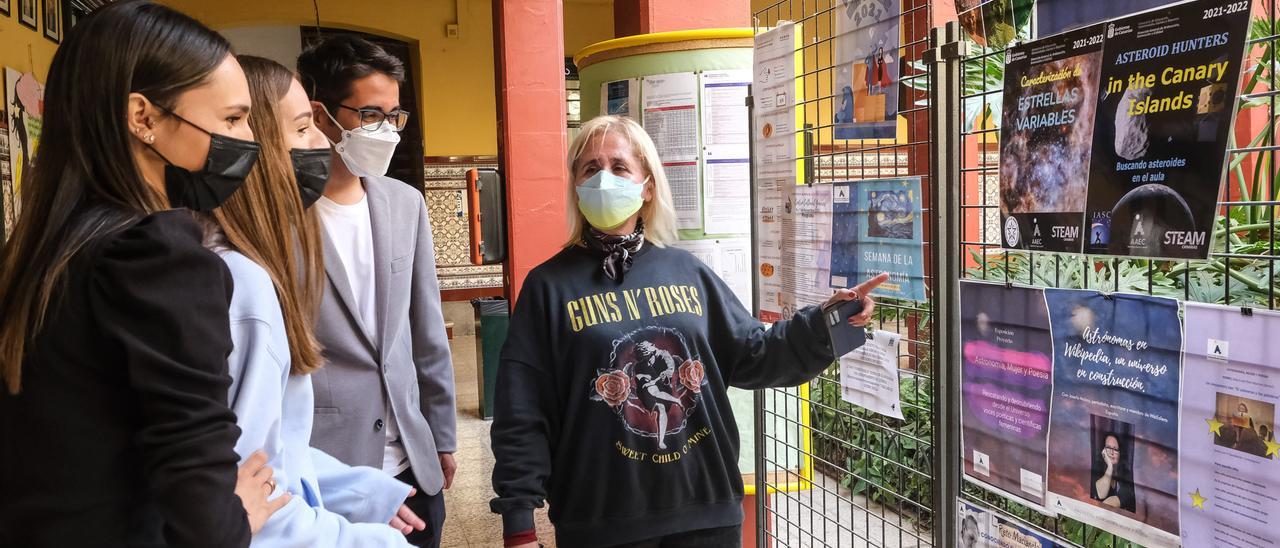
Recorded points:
(266, 222)
(659, 213)
(84, 184)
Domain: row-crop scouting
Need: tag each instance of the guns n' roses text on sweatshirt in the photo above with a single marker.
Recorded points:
(611, 401)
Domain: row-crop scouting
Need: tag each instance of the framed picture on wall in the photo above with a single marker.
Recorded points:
(53, 20)
(4, 7)
(73, 13)
(28, 13)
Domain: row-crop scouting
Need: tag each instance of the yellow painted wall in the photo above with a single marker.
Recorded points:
(456, 79)
(457, 74)
(586, 22)
(22, 48)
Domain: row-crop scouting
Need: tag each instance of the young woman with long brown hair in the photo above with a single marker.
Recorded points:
(273, 251)
(114, 339)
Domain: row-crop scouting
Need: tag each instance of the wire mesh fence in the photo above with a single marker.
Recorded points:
(1241, 269)
(838, 475)
(847, 477)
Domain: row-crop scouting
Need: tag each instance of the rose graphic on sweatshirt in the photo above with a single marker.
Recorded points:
(653, 383)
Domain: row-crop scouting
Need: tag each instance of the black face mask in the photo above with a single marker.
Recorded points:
(311, 169)
(225, 169)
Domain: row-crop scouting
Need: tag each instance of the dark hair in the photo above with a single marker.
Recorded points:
(328, 69)
(83, 184)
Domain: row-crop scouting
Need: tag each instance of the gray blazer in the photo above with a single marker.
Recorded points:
(408, 368)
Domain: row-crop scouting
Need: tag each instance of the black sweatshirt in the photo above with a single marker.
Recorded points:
(612, 400)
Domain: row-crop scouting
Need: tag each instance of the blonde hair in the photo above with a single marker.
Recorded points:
(659, 213)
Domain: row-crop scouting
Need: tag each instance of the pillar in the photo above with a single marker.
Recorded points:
(631, 17)
(529, 54)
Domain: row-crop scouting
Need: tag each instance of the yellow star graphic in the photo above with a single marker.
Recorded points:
(1214, 426)
(1273, 448)
(1198, 500)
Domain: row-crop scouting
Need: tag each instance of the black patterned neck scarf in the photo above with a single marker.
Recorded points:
(618, 251)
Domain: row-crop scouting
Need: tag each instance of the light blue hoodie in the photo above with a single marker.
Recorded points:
(333, 505)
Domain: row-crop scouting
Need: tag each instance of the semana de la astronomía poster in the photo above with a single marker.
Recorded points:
(877, 226)
(1050, 96)
(1168, 97)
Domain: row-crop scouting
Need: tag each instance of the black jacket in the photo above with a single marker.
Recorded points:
(121, 435)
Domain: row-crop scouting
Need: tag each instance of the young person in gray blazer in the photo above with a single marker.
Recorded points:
(386, 396)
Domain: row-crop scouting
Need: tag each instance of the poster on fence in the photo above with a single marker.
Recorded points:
(793, 246)
(1113, 430)
(774, 90)
(1011, 534)
(1054, 16)
(1169, 83)
(877, 227)
(1006, 383)
(769, 244)
(1050, 93)
(974, 528)
(806, 252)
(982, 528)
(869, 375)
(1230, 461)
(867, 64)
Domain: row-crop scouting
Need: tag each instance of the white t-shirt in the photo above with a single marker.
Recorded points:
(351, 231)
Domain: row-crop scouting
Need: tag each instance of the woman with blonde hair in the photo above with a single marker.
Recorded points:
(272, 248)
(612, 399)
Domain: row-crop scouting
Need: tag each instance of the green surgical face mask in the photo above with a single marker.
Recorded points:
(607, 200)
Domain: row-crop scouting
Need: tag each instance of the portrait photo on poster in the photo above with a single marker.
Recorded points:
(1248, 424)
(1112, 471)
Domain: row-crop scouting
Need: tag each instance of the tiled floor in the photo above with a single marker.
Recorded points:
(470, 524)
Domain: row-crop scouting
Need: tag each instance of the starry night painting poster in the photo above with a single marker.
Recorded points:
(1169, 83)
(1050, 93)
(877, 227)
(1113, 429)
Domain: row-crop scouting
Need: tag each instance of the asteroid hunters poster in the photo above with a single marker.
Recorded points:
(1167, 101)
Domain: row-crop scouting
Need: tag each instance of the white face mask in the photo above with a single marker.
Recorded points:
(366, 153)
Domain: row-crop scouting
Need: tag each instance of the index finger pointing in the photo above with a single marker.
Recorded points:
(866, 287)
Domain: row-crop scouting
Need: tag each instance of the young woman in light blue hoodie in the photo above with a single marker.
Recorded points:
(273, 252)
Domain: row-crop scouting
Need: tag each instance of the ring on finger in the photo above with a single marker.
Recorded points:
(271, 485)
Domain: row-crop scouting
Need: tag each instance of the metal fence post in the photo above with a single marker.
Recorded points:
(943, 60)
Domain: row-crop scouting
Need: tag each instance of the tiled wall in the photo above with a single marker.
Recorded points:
(446, 195)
